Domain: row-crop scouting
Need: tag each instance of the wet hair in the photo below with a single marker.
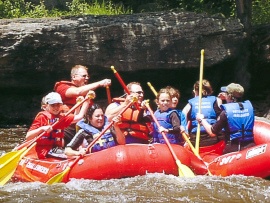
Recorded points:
(74, 69)
(206, 87)
(173, 92)
(90, 112)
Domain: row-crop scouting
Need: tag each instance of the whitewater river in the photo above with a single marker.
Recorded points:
(148, 188)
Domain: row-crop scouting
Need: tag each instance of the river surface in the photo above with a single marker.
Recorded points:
(149, 188)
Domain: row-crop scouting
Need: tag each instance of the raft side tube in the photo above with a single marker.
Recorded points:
(261, 131)
(135, 159)
(253, 161)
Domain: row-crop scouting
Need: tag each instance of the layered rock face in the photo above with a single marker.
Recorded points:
(163, 48)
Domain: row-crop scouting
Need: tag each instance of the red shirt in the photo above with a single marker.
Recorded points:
(61, 88)
(45, 118)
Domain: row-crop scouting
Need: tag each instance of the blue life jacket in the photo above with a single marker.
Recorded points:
(240, 120)
(164, 120)
(106, 141)
(207, 109)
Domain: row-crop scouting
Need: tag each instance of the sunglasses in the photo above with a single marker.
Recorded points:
(84, 76)
(139, 92)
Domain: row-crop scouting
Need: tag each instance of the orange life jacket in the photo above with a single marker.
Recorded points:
(130, 125)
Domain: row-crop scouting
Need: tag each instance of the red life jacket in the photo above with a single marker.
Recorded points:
(49, 140)
(69, 101)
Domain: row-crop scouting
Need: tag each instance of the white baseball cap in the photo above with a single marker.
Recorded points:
(53, 98)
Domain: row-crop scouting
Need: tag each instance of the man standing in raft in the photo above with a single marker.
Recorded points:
(237, 118)
(135, 123)
(51, 143)
(70, 90)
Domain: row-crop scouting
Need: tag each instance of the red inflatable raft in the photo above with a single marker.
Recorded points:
(254, 161)
(138, 159)
(116, 162)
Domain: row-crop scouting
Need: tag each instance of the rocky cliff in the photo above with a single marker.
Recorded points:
(163, 48)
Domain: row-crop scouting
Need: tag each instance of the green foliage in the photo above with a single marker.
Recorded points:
(226, 7)
(261, 12)
(13, 8)
(81, 7)
(260, 8)
(20, 9)
(23, 8)
(38, 11)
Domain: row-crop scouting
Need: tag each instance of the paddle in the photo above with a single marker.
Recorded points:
(120, 80)
(152, 88)
(108, 94)
(10, 160)
(194, 151)
(11, 163)
(197, 144)
(183, 170)
(59, 177)
(123, 85)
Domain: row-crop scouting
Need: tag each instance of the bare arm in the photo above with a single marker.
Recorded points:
(91, 94)
(36, 132)
(70, 152)
(113, 110)
(206, 125)
(219, 102)
(80, 115)
(120, 137)
(83, 90)
(208, 128)
(186, 109)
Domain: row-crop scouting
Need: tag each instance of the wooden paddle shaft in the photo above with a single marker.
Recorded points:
(200, 80)
(152, 88)
(108, 94)
(200, 103)
(120, 80)
(123, 85)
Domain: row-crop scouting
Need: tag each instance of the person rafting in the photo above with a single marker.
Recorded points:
(70, 90)
(50, 145)
(168, 118)
(237, 118)
(90, 127)
(175, 95)
(135, 123)
(210, 108)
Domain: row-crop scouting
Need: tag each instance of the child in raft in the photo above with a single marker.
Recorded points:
(168, 119)
(175, 94)
(51, 143)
